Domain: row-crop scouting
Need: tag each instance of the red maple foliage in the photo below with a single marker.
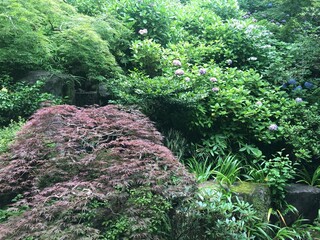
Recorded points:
(67, 158)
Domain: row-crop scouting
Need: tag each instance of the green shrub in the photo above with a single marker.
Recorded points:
(279, 171)
(312, 179)
(7, 135)
(227, 170)
(217, 215)
(147, 57)
(89, 7)
(52, 35)
(303, 136)
(155, 16)
(244, 42)
(202, 169)
(82, 52)
(224, 9)
(238, 105)
(23, 44)
(20, 100)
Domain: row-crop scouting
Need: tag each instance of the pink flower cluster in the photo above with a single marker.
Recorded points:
(259, 103)
(273, 127)
(179, 72)
(202, 71)
(215, 89)
(176, 63)
(143, 31)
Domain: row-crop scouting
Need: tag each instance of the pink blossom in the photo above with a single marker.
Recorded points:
(215, 89)
(213, 79)
(229, 61)
(176, 63)
(273, 127)
(202, 71)
(258, 103)
(179, 72)
(143, 31)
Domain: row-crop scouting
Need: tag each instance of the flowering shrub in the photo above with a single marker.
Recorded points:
(235, 42)
(215, 89)
(226, 9)
(155, 16)
(240, 106)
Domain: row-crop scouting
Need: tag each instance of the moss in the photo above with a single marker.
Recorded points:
(257, 194)
(245, 187)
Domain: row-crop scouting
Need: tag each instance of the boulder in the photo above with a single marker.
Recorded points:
(257, 194)
(58, 84)
(306, 199)
(86, 98)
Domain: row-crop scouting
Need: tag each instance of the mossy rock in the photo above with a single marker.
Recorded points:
(257, 194)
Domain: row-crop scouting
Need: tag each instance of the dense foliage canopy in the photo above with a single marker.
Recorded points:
(219, 78)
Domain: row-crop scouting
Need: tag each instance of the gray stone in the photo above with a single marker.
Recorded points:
(88, 98)
(58, 84)
(103, 94)
(306, 199)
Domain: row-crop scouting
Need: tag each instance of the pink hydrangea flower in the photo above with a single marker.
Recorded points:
(229, 61)
(252, 58)
(273, 127)
(176, 63)
(143, 31)
(215, 89)
(179, 72)
(202, 71)
(258, 103)
(213, 79)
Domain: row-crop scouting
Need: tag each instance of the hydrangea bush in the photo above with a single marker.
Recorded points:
(211, 101)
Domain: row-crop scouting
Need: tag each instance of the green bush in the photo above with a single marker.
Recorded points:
(224, 9)
(238, 105)
(155, 16)
(82, 52)
(20, 100)
(233, 42)
(89, 7)
(147, 57)
(279, 171)
(24, 45)
(217, 215)
(7, 135)
(52, 35)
